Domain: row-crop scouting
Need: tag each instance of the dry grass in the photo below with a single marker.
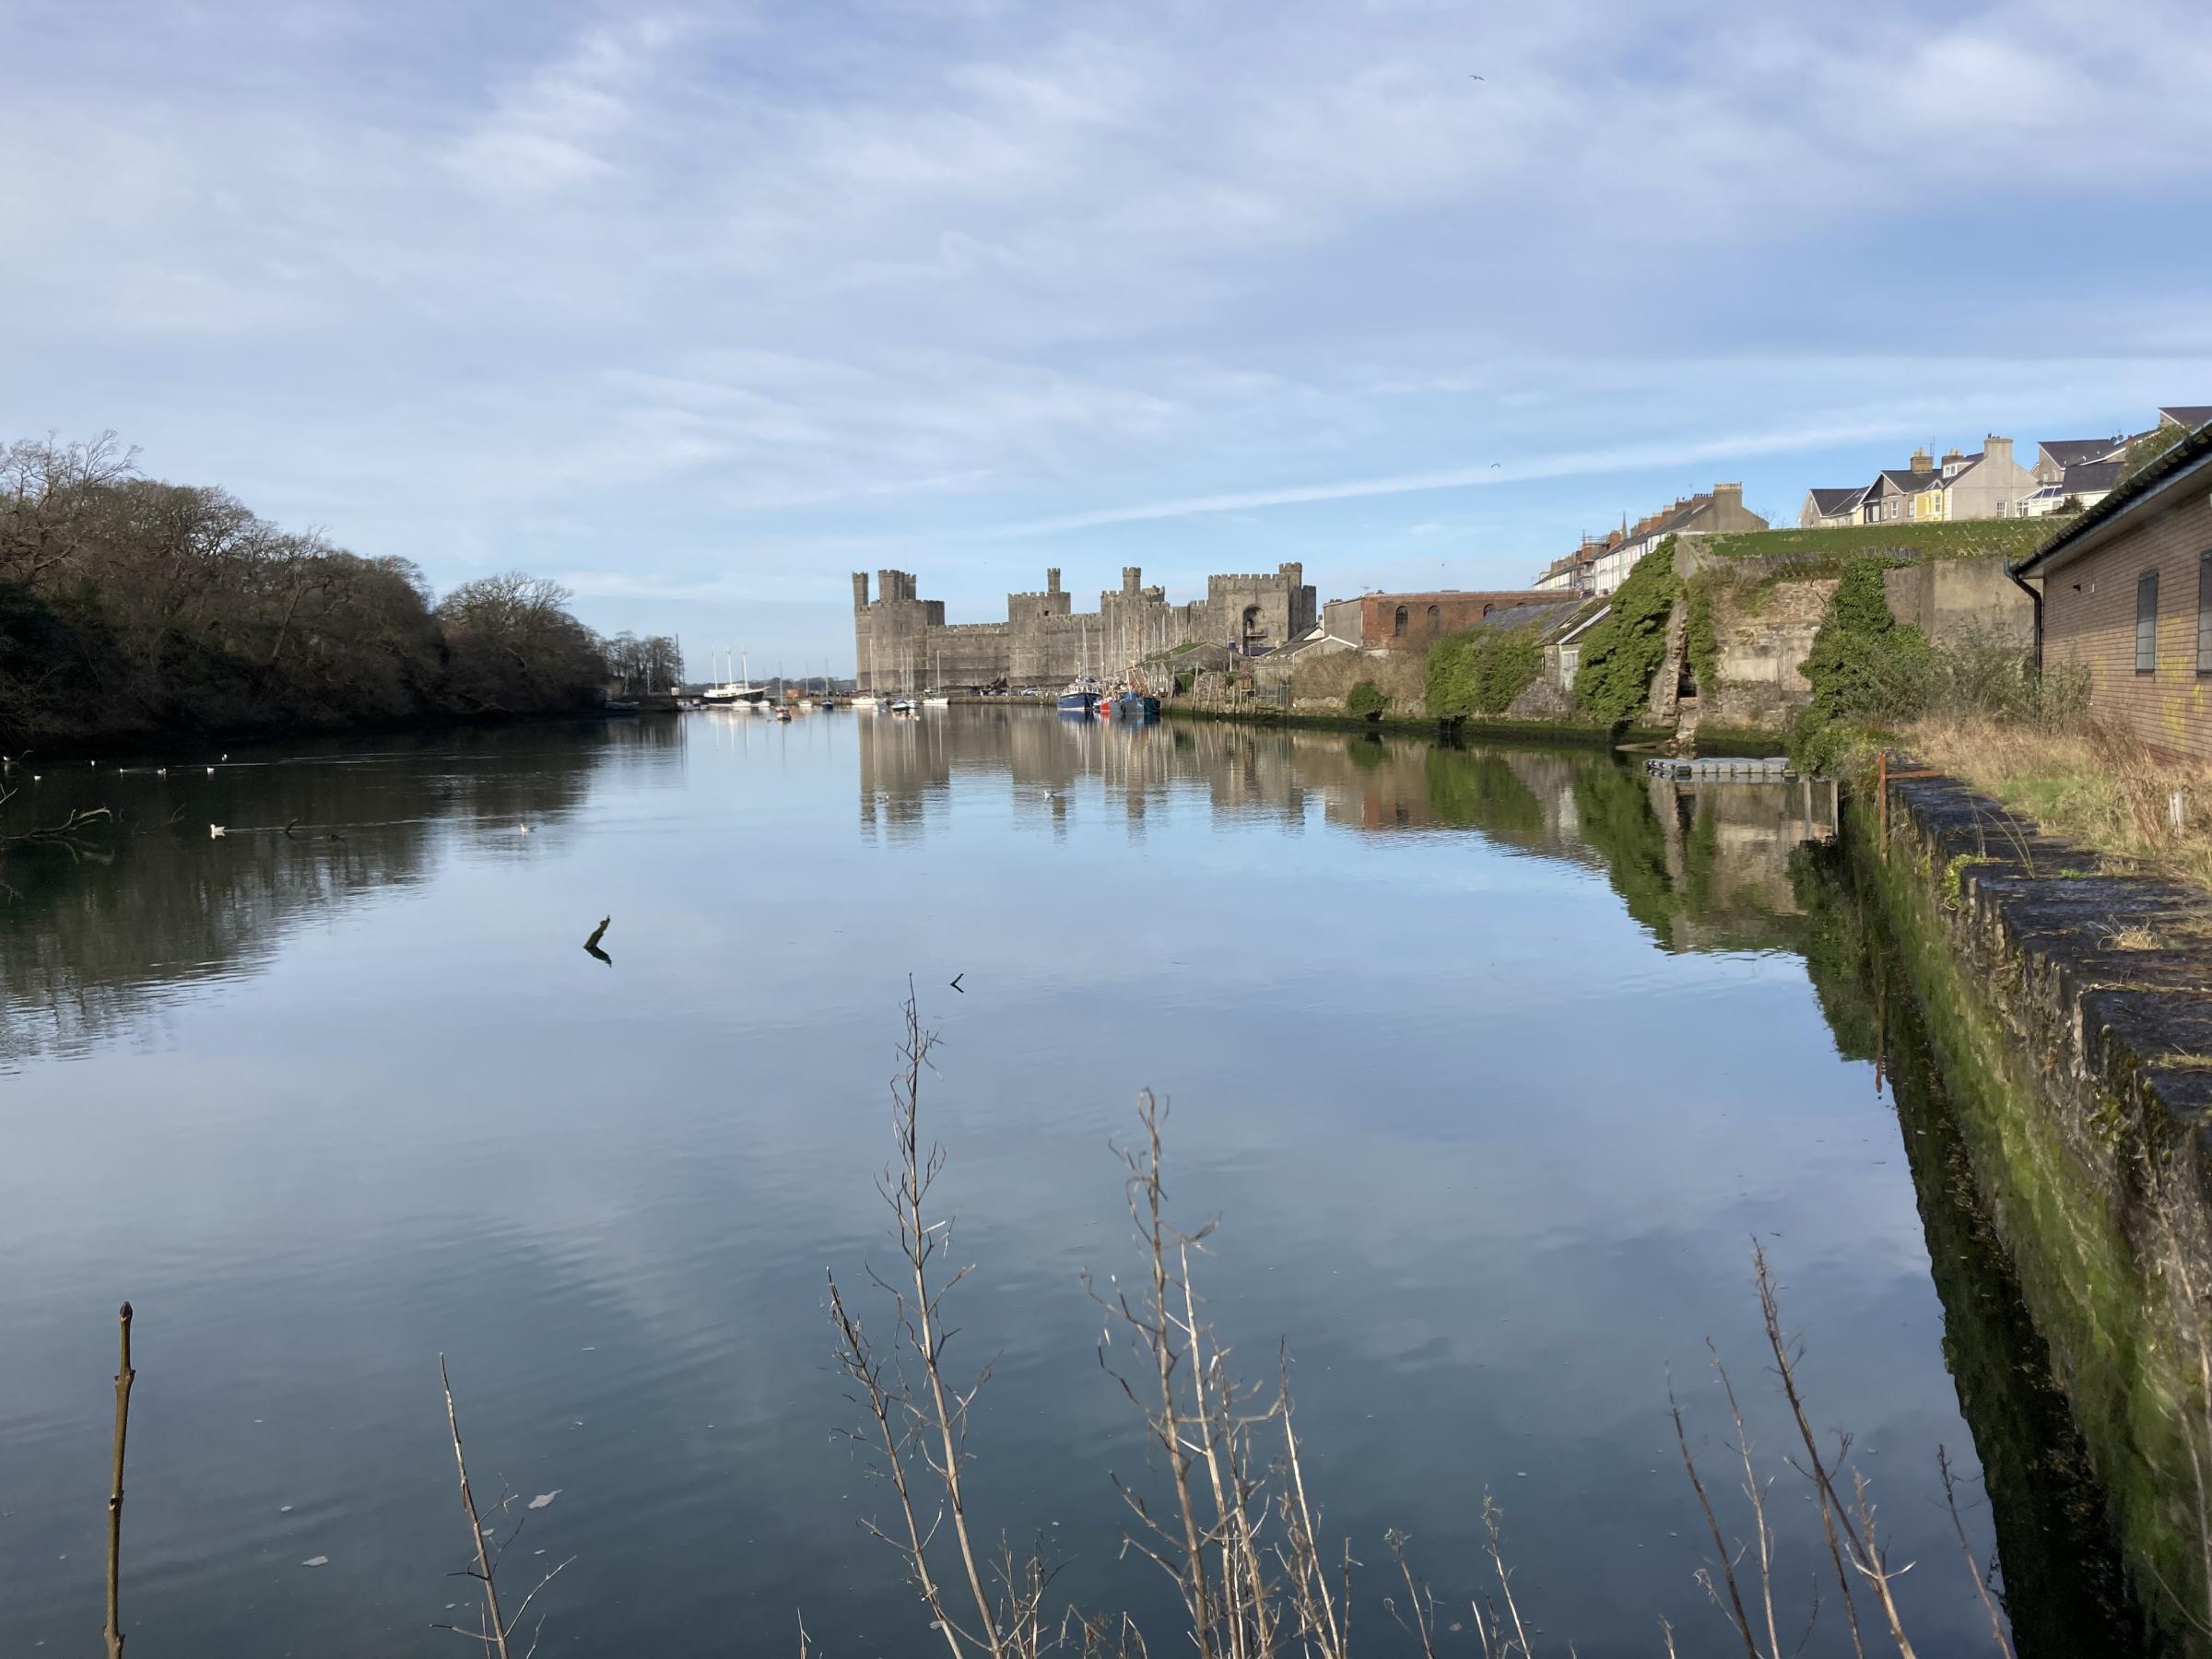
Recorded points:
(2091, 784)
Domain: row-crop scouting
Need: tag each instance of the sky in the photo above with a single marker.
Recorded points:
(700, 310)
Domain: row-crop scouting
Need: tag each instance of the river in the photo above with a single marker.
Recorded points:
(1493, 1063)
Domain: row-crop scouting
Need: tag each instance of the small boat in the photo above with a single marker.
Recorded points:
(903, 705)
(783, 715)
(936, 700)
(1136, 705)
(862, 699)
(619, 705)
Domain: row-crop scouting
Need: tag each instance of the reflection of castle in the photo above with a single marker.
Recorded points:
(903, 641)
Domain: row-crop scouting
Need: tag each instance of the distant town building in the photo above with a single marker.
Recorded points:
(1719, 512)
(903, 642)
(1406, 621)
(1828, 509)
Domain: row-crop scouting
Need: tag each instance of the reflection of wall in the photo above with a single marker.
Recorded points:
(1702, 867)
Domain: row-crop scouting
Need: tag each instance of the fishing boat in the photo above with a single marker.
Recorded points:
(1080, 698)
(1136, 705)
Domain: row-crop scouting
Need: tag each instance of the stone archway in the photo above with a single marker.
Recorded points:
(1251, 631)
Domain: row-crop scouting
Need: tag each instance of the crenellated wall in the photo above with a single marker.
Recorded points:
(902, 640)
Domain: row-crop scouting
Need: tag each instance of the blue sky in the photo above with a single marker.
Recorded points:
(701, 309)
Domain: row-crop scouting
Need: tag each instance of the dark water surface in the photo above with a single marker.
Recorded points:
(1492, 1061)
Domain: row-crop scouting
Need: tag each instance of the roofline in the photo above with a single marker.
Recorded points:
(2190, 456)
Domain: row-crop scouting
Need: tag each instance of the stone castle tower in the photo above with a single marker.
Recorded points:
(901, 641)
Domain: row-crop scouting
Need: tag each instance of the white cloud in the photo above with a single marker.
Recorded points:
(719, 295)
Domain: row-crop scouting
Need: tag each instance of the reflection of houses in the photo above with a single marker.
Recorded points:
(902, 641)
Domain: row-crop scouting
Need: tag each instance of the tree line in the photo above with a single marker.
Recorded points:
(132, 605)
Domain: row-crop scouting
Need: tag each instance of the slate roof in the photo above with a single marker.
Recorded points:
(2069, 451)
(1828, 502)
(2190, 453)
(2085, 476)
(2189, 415)
(1520, 616)
(1909, 482)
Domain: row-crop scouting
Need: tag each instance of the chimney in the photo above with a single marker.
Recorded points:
(1922, 461)
(1952, 456)
(1728, 497)
(1997, 451)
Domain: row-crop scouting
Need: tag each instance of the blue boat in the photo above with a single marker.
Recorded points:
(1082, 696)
(1136, 705)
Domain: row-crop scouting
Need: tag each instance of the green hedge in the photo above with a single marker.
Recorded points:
(1366, 701)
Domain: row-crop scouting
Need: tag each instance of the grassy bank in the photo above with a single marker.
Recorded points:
(1973, 538)
(2093, 784)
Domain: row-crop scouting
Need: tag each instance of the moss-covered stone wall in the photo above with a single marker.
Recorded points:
(2070, 1010)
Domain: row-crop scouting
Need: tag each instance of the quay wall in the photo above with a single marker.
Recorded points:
(2069, 1005)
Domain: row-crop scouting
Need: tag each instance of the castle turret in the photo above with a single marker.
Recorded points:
(860, 590)
(1052, 579)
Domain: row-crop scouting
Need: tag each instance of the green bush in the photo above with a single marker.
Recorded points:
(1481, 671)
(1865, 666)
(1614, 680)
(1365, 702)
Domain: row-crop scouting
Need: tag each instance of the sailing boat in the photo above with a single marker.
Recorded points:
(938, 697)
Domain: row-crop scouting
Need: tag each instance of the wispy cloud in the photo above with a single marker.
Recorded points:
(704, 302)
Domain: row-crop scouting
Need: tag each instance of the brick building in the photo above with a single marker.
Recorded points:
(2127, 590)
(1403, 621)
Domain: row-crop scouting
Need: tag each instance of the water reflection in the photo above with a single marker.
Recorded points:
(1408, 998)
(101, 935)
(1701, 867)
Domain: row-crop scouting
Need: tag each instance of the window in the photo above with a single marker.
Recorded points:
(2204, 613)
(2147, 622)
(1399, 623)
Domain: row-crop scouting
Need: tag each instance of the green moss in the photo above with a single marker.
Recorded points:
(2098, 1305)
(1864, 665)
(1954, 891)
(1701, 642)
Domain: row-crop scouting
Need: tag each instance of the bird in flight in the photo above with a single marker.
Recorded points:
(1474, 77)
(956, 979)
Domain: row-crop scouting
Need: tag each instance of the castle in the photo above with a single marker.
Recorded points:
(901, 641)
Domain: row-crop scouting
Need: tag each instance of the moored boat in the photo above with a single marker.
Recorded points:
(1136, 705)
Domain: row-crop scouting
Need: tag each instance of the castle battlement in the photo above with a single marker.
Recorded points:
(898, 635)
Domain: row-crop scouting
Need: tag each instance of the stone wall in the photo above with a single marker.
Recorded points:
(2074, 1062)
(901, 641)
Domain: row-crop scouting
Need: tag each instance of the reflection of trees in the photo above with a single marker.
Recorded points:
(87, 944)
(1479, 791)
(2064, 1587)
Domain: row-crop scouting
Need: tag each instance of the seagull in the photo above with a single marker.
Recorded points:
(956, 979)
(1474, 77)
(161, 771)
(522, 828)
(226, 757)
(216, 830)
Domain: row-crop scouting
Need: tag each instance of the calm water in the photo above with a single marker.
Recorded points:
(1492, 1061)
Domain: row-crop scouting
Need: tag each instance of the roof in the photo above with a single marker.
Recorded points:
(2066, 451)
(1829, 501)
(2084, 477)
(2192, 455)
(2189, 415)
(1909, 481)
(1520, 616)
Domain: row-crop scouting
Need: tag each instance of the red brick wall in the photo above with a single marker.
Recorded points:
(1454, 613)
(2090, 617)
